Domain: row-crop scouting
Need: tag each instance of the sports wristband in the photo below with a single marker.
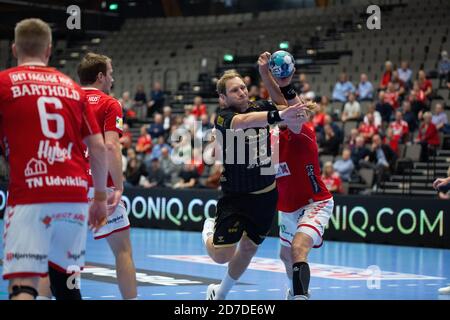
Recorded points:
(273, 117)
(100, 195)
(288, 92)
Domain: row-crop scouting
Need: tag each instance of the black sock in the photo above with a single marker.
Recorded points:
(300, 278)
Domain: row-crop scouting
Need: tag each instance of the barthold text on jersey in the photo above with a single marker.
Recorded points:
(44, 90)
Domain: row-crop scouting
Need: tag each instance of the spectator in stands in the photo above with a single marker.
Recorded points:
(342, 89)
(443, 68)
(425, 85)
(325, 106)
(417, 98)
(129, 114)
(263, 93)
(405, 74)
(440, 119)
(199, 108)
(301, 81)
(337, 130)
(390, 102)
(399, 85)
(385, 109)
(344, 166)
(204, 129)
(156, 129)
(188, 177)
(381, 158)
(134, 173)
(350, 141)
(387, 75)
(156, 102)
(376, 115)
(155, 175)
(359, 152)
(319, 118)
(213, 179)
(253, 93)
(352, 109)
(428, 137)
(169, 168)
(398, 131)
(409, 116)
(365, 89)
(331, 179)
(157, 148)
(140, 102)
(368, 130)
(144, 144)
(329, 143)
(168, 119)
(126, 139)
(307, 92)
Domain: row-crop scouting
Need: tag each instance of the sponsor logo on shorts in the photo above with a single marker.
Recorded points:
(75, 256)
(115, 219)
(19, 256)
(70, 217)
(234, 229)
(47, 221)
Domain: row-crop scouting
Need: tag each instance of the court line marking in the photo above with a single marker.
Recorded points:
(107, 296)
(183, 292)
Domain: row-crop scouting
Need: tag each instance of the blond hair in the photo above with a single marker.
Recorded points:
(90, 66)
(222, 82)
(32, 37)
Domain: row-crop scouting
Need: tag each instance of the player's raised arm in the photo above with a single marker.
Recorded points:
(282, 97)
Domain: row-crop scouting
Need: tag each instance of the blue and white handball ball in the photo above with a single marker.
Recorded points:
(281, 64)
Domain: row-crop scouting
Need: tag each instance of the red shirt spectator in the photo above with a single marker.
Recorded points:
(398, 131)
(391, 96)
(429, 133)
(144, 143)
(332, 180)
(387, 75)
(368, 129)
(319, 119)
(424, 84)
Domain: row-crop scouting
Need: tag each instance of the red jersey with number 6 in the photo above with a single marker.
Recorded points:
(108, 113)
(299, 182)
(44, 119)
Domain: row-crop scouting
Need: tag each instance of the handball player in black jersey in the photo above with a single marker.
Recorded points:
(246, 210)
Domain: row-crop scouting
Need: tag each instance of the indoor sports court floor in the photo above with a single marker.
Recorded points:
(173, 265)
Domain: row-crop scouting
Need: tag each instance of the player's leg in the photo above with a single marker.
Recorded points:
(221, 235)
(301, 246)
(126, 272)
(67, 253)
(45, 293)
(309, 234)
(23, 288)
(25, 261)
(288, 227)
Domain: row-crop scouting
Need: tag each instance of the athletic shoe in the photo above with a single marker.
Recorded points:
(445, 290)
(290, 296)
(211, 292)
(301, 297)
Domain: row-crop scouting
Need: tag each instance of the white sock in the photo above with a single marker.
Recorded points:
(225, 286)
(43, 298)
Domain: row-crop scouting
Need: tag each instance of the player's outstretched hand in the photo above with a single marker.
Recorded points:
(295, 116)
(97, 214)
(263, 63)
(440, 182)
(114, 199)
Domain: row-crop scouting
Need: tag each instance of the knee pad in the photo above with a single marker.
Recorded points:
(59, 286)
(16, 290)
